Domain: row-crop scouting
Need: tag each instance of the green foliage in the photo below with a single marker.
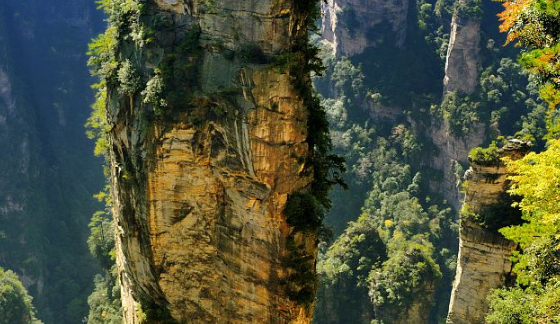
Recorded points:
(97, 126)
(129, 79)
(102, 54)
(524, 306)
(485, 156)
(391, 246)
(469, 8)
(505, 100)
(101, 241)
(104, 302)
(154, 93)
(327, 167)
(511, 306)
(536, 180)
(354, 254)
(253, 53)
(304, 211)
(15, 303)
(402, 279)
(400, 224)
(534, 24)
(461, 112)
(536, 297)
(432, 19)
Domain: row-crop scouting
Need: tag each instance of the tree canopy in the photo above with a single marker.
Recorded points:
(15, 303)
(535, 25)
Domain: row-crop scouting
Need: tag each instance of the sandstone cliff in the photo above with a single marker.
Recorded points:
(348, 25)
(452, 154)
(462, 69)
(462, 66)
(484, 255)
(209, 147)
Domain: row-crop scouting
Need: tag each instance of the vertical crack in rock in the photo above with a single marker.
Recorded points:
(204, 155)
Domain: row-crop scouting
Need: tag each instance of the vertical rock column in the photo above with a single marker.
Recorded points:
(462, 70)
(206, 149)
(462, 65)
(484, 255)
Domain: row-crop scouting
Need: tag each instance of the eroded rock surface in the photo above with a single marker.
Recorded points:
(484, 255)
(201, 183)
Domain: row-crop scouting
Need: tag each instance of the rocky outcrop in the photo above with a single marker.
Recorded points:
(462, 66)
(350, 25)
(484, 255)
(202, 171)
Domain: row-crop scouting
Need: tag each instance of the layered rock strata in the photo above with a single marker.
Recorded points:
(205, 155)
(484, 255)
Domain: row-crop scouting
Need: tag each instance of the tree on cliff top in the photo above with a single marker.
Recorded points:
(15, 303)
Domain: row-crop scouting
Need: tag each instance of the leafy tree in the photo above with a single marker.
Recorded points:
(536, 297)
(534, 24)
(15, 303)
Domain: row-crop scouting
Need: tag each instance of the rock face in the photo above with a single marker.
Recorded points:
(201, 182)
(462, 69)
(463, 56)
(484, 255)
(349, 24)
(452, 153)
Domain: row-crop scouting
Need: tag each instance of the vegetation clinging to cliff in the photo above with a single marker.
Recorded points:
(537, 266)
(305, 211)
(535, 298)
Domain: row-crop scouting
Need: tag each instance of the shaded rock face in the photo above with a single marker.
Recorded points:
(453, 152)
(349, 24)
(484, 255)
(462, 66)
(462, 69)
(199, 193)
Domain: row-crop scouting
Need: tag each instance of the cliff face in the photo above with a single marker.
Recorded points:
(201, 182)
(462, 66)
(484, 255)
(349, 24)
(453, 151)
(462, 70)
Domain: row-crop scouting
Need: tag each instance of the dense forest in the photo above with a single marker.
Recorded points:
(399, 249)
(419, 95)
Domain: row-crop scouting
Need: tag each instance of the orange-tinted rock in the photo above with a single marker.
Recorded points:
(200, 193)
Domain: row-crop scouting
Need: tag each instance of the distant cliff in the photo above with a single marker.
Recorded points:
(410, 87)
(47, 172)
(349, 24)
(217, 166)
